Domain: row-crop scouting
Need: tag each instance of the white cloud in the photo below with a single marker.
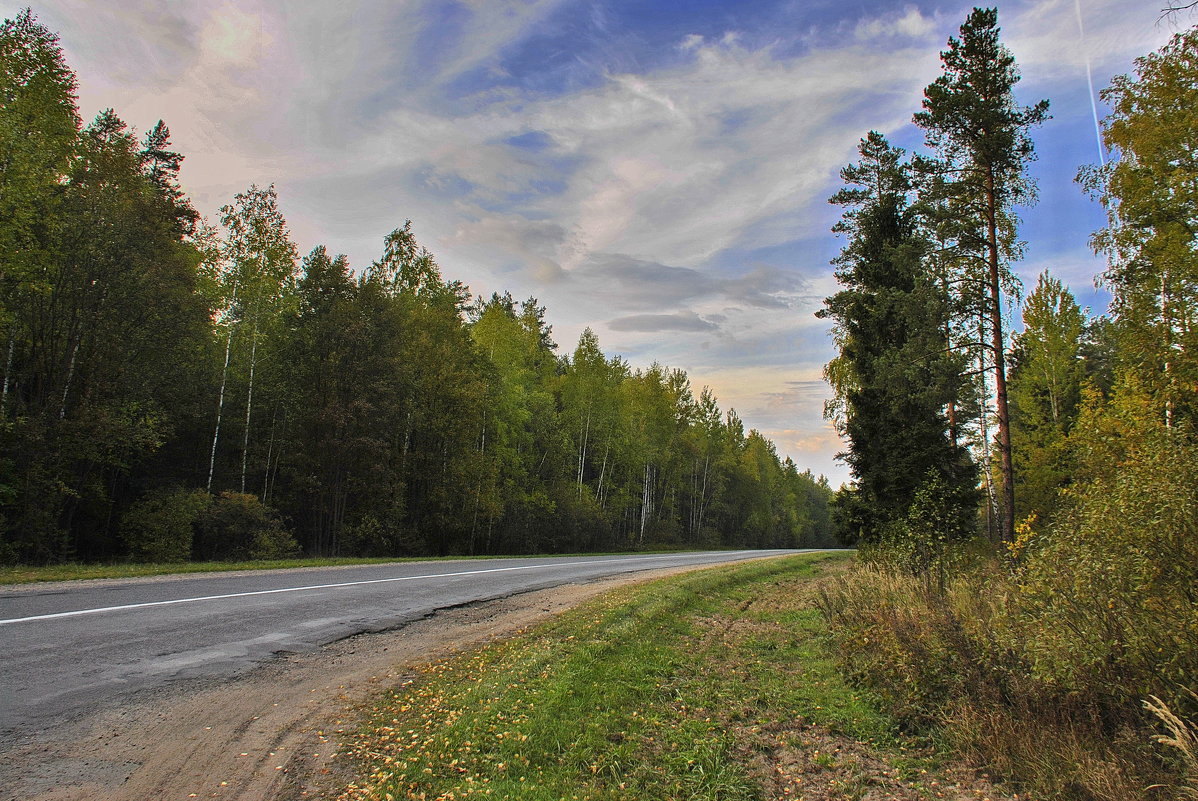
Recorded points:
(910, 23)
(1049, 46)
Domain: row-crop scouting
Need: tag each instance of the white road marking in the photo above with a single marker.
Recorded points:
(123, 607)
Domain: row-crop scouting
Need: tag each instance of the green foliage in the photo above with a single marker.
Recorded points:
(383, 413)
(103, 327)
(1150, 192)
(980, 135)
(238, 526)
(919, 543)
(895, 374)
(39, 125)
(1109, 593)
(1046, 386)
(160, 526)
(1043, 664)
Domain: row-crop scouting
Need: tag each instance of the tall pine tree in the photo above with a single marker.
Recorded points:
(980, 134)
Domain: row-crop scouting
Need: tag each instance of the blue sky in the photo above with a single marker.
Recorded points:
(656, 171)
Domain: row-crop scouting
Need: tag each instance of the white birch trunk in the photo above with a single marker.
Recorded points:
(249, 405)
(66, 389)
(7, 373)
(220, 401)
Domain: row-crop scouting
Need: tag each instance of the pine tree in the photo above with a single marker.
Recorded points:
(980, 134)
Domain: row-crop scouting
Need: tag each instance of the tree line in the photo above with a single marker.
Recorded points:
(175, 389)
(933, 394)
(1026, 504)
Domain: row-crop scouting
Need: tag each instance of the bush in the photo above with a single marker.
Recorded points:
(238, 526)
(160, 527)
(1110, 597)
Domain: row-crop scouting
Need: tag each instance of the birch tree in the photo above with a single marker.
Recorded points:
(1150, 192)
(260, 262)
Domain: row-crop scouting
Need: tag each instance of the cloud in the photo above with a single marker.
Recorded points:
(910, 23)
(651, 323)
(1049, 47)
(806, 441)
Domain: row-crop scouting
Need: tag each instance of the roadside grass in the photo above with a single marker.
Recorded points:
(715, 684)
(73, 571)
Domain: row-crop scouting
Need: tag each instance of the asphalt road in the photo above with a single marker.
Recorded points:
(70, 648)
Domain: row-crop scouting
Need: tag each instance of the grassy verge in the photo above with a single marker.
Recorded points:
(26, 574)
(717, 684)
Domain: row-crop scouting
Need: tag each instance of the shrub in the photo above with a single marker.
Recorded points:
(238, 526)
(1110, 597)
(160, 526)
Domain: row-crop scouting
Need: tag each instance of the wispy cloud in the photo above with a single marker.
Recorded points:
(651, 323)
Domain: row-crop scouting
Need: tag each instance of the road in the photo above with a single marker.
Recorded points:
(70, 649)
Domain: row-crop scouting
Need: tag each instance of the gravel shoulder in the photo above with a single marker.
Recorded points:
(267, 733)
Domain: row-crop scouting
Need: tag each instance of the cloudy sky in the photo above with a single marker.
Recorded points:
(658, 171)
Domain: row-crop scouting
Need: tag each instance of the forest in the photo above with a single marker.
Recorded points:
(1026, 503)
(177, 388)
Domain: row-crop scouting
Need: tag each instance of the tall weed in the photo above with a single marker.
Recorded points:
(1183, 737)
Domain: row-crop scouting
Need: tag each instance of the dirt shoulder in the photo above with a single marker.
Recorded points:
(269, 733)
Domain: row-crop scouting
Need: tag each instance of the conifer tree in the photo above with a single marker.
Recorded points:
(980, 134)
(895, 375)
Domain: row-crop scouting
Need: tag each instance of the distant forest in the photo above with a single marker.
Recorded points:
(175, 389)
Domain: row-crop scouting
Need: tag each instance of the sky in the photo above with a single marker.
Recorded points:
(657, 171)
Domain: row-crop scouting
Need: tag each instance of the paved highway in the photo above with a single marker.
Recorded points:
(70, 648)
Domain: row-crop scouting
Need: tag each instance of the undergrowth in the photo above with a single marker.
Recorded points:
(960, 664)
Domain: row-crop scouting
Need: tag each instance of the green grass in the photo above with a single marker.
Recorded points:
(72, 571)
(26, 574)
(663, 690)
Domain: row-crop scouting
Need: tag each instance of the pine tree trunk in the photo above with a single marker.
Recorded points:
(1000, 368)
(984, 425)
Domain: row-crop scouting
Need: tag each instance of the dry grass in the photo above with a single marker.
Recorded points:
(953, 664)
(1183, 738)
